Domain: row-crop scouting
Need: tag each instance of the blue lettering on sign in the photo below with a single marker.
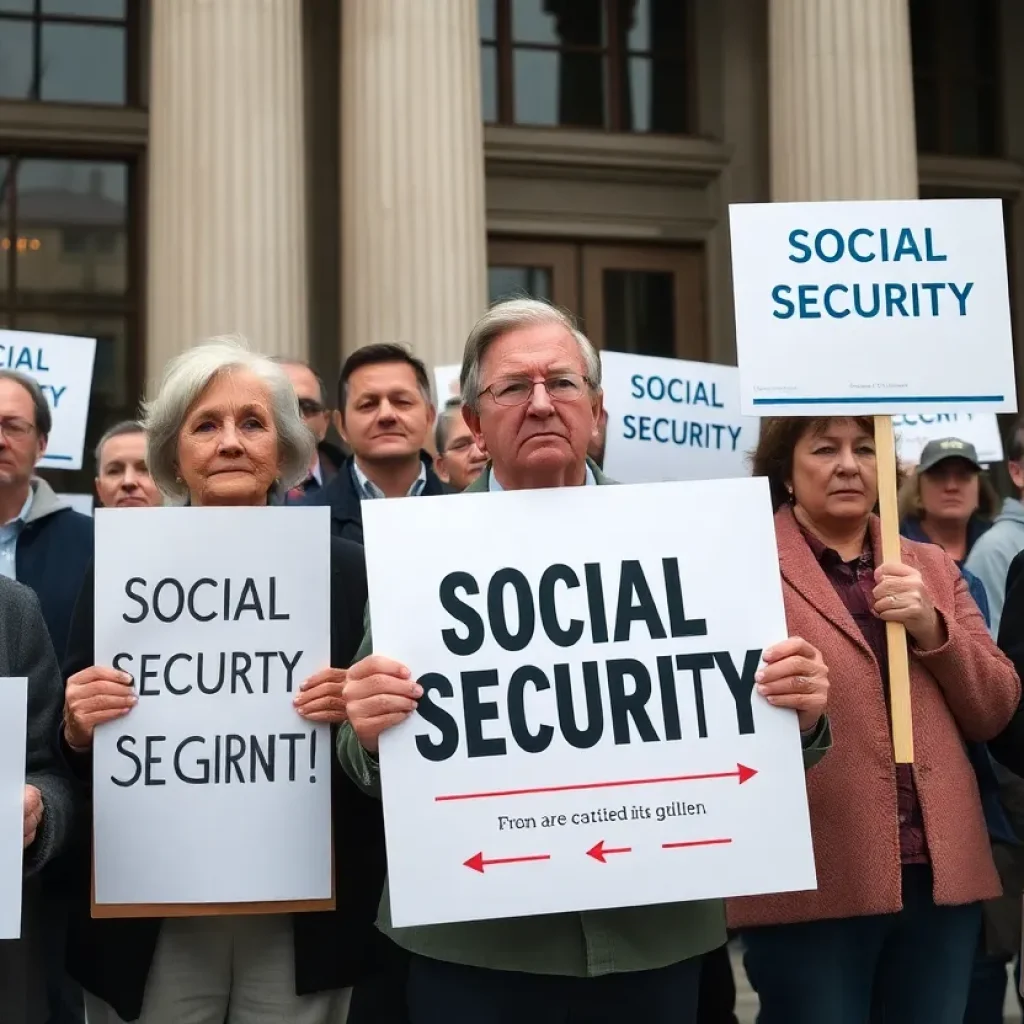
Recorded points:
(682, 433)
(31, 360)
(889, 299)
(675, 390)
(928, 419)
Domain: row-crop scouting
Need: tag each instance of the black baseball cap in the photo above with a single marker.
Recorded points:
(944, 448)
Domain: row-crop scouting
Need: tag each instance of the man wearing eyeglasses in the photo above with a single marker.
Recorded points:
(459, 459)
(312, 396)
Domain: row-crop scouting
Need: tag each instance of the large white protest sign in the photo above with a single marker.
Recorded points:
(589, 735)
(864, 308)
(446, 383)
(213, 789)
(915, 430)
(669, 419)
(13, 712)
(62, 366)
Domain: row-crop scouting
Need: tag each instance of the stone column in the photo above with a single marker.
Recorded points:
(227, 216)
(414, 247)
(842, 100)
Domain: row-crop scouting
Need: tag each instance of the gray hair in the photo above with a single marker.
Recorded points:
(40, 407)
(122, 429)
(187, 376)
(513, 315)
(443, 430)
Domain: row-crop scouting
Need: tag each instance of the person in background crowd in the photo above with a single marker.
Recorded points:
(949, 500)
(991, 555)
(122, 476)
(224, 430)
(459, 459)
(531, 387)
(47, 546)
(595, 450)
(25, 650)
(312, 395)
(896, 913)
(384, 414)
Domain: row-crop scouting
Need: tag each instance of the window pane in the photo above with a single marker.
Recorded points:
(926, 116)
(74, 214)
(639, 312)
(5, 228)
(83, 64)
(563, 22)
(656, 96)
(486, 10)
(923, 42)
(559, 88)
(973, 124)
(21, 6)
(15, 59)
(654, 24)
(489, 82)
(517, 282)
(86, 8)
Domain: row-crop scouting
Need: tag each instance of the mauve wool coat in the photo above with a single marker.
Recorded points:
(965, 689)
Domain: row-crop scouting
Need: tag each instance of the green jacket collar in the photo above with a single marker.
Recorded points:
(483, 481)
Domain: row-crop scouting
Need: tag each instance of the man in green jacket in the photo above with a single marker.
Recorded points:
(531, 387)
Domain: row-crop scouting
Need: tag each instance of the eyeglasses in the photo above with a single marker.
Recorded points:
(564, 387)
(15, 428)
(310, 407)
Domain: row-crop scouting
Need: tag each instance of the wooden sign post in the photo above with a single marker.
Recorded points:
(895, 632)
(874, 308)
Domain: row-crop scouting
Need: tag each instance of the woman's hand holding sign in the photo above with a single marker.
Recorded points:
(94, 696)
(379, 694)
(795, 676)
(321, 698)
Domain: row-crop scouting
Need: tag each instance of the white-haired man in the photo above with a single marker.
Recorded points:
(531, 387)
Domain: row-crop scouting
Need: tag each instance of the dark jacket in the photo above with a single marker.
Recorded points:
(1008, 747)
(912, 529)
(54, 549)
(343, 497)
(25, 650)
(333, 949)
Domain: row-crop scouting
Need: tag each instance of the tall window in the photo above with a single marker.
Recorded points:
(617, 65)
(67, 51)
(957, 76)
(67, 263)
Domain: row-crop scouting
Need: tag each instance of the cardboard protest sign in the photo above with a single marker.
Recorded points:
(62, 366)
(915, 430)
(670, 419)
(212, 789)
(13, 726)
(589, 734)
(866, 308)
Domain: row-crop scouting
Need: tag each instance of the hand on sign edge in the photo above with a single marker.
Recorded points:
(795, 676)
(33, 815)
(93, 696)
(380, 693)
(321, 698)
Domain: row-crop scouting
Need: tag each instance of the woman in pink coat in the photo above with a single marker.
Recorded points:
(902, 853)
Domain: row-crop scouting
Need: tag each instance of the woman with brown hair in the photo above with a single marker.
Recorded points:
(902, 854)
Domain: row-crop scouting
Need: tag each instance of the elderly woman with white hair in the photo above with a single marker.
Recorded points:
(225, 429)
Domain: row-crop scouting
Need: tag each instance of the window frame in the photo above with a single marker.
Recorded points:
(130, 23)
(615, 53)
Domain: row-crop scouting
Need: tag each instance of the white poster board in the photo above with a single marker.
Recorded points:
(213, 789)
(79, 502)
(62, 366)
(915, 430)
(872, 308)
(671, 419)
(446, 383)
(13, 730)
(563, 757)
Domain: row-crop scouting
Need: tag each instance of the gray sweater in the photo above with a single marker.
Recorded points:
(25, 650)
(992, 554)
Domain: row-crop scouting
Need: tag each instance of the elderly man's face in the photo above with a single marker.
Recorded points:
(462, 461)
(122, 478)
(542, 441)
(228, 444)
(21, 447)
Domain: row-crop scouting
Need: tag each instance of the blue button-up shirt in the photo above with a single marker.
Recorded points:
(9, 534)
(368, 489)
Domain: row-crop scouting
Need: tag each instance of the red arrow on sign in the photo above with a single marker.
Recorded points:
(477, 862)
(742, 772)
(599, 851)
